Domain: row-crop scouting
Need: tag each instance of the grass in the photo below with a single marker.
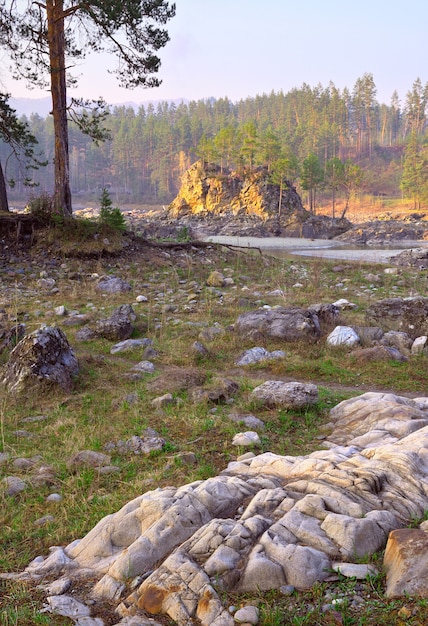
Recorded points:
(107, 406)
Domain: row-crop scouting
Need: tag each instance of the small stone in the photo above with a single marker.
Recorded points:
(246, 456)
(162, 401)
(14, 485)
(127, 345)
(259, 354)
(22, 433)
(248, 614)
(85, 334)
(215, 279)
(112, 284)
(54, 497)
(42, 521)
(250, 421)
(249, 438)
(404, 612)
(199, 348)
(287, 590)
(88, 458)
(360, 571)
(24, 464)
(342, 303)
(144, 366)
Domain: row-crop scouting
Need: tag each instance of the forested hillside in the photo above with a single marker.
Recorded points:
(320, 138)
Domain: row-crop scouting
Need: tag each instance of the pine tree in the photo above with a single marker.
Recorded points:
(110, 216)
(44, 38)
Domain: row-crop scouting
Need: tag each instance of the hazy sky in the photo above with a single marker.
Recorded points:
(240, 48)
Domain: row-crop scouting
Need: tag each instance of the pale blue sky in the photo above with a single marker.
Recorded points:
(240, 48)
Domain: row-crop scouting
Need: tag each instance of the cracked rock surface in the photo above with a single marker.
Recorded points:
(264, 522)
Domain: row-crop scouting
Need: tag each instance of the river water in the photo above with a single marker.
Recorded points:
(319, 248)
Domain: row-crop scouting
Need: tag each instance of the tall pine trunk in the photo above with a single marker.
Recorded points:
(62, 193)
(4, 204)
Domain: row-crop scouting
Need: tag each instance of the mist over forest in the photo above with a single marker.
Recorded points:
(152, 146)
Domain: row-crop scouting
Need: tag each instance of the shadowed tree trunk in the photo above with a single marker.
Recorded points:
(55, 16)
(4, 204)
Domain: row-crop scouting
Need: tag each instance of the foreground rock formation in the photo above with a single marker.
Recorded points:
(264, 522)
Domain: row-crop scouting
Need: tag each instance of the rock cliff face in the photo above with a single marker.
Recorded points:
(207, 189)
(249, 203)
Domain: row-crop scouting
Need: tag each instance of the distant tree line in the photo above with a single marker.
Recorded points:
(322, 139)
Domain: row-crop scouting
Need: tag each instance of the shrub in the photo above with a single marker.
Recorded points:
(112, 216)
(42, 208)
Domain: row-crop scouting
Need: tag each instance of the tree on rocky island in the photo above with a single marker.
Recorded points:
(43, 40)
(22, 143)
(312, 178)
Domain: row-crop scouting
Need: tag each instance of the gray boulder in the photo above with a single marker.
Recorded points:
(398, 340)
(409, 315)
(293, 395)
(258, 355)
(343, 336)
(43, 357)
(328, 314)
(114, 328)
(112, 284)
(413, 258)
(288, 324)
(368, 334)
(420, 345)
(378, 353)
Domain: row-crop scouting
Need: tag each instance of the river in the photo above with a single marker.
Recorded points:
(319, 248)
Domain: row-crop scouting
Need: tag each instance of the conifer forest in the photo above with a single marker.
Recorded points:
(334, 141)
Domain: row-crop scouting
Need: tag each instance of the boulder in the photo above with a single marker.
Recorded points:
(42, 358)
(215, 279)
(87, 459)
(417, 257)
(112, 284)
(328, 314)
(420, 345)
(399, 340)
(378, 353)
(288, 324)
(377, 414)
(343, 336)
(409, 315)
(293, 395)
(258, 355)
(369, 334)
(115, 328)
(406, 564)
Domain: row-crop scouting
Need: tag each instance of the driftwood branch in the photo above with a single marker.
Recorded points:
(188, 245)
